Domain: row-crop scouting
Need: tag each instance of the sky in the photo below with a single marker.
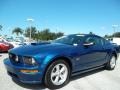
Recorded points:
(68, 16)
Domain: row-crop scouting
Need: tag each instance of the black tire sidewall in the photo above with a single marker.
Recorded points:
(47, 79)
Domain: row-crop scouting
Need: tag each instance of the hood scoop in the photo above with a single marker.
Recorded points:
(40, 43)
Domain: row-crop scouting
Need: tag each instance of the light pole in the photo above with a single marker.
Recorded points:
(114, 28)
(30, 20)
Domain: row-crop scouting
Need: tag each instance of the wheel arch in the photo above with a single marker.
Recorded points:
(68, 60)
(1, 48)
(115, 54)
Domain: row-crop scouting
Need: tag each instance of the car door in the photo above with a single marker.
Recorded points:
(107, 49)
(92, 55)
(99, 52)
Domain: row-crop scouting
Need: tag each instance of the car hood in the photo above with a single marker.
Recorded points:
(34, 49)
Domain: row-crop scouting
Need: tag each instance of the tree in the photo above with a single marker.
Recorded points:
(45, 34)
(17, 31)
(33, 32)
(116, 34)
(0, 27)
(108, 36)
(59, 34)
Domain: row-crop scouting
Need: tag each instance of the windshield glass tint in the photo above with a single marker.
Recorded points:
(70, 39)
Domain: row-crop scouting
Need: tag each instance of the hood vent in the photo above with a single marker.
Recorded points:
(40, 43)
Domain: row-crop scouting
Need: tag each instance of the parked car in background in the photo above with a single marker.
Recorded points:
(53, 63)
(117, 47)
(116, 42)
(4, 46)
(16, 42)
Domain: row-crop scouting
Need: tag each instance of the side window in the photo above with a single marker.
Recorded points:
(106, 42)
(89, 40)
(77, 40)
(103, 41)
(98, 41)
(95, 40)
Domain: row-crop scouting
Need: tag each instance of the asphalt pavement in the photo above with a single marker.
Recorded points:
(95, 80)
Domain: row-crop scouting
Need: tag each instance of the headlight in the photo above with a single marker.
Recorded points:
(29, 61)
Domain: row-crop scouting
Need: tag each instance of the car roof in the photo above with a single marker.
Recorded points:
(86, 35)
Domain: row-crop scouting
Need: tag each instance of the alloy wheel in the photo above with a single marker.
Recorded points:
(59, 74)
(113, 62)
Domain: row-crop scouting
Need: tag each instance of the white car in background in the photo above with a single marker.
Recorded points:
(115, 40)
(18, 41)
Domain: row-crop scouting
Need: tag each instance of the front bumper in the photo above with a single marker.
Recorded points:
(15, 72)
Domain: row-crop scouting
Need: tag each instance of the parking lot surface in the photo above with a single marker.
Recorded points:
(95, 80)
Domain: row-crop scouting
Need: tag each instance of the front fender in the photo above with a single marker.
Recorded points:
(46, 62)
(113, 51)
(51, 58)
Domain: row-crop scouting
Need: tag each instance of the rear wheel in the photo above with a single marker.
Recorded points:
(112, 63)
(57, 74)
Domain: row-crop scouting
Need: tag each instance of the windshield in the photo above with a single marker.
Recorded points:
(70, 39)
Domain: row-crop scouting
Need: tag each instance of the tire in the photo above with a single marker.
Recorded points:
(112, 63)
(57, 74)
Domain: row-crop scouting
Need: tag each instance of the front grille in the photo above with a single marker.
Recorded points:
(15, 59)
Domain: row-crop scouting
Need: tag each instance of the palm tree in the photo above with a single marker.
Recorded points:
(17, 31)
(33, 32)
(0, 27)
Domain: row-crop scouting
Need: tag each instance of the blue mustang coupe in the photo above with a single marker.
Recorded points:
(53, 63)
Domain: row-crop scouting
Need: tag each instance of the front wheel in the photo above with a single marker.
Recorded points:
(57, 74)
(112, 63)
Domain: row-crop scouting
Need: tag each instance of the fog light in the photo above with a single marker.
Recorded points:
(29, 71)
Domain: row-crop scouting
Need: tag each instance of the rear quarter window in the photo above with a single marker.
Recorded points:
(105, 42)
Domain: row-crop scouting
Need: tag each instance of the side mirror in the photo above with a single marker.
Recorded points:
(88, 44)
